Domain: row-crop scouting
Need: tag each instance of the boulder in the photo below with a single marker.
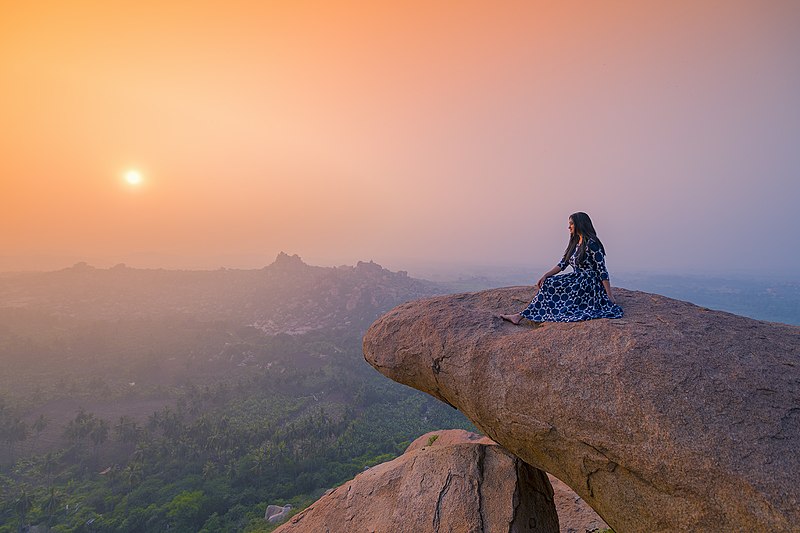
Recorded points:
(456, 482)
(574, 514)
(673, 418)
(276, 513)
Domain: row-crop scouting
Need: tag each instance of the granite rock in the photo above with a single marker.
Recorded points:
(458, 482)
(673, 418)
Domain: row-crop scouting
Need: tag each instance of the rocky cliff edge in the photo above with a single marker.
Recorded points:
(673, 418)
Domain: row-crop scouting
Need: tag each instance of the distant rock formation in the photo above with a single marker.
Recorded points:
(286, 262)
(449, 480)
(276, 513)
(673, 418)
(288, 296)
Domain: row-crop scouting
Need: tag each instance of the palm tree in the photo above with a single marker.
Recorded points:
(154, 421)
(50, 506)
(80, 426)
(127, 430)
(39, 426)
(261, 460)
(133, 473)
(99, 433)
(138, 455)
(209, 470)
(215, 443)
(22, 506)
(49, 466)
(17, 432)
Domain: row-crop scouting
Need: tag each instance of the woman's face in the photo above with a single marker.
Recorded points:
(571, 227)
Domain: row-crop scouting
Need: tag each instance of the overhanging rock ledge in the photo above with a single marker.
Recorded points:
(673, 418)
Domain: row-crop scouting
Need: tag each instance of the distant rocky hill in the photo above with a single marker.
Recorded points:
(287, 296)
(254, 378)
(673, 418)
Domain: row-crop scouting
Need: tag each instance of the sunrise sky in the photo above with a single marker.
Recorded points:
(411, 132)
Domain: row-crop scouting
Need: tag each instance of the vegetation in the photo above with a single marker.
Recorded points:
(195, 421)
(225, 450)
(135, 400)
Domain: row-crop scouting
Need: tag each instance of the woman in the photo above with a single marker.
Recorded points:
(582, 294)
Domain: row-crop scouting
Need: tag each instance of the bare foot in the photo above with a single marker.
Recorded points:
(514, 319)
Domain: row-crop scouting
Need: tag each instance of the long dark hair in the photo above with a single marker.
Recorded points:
(583, 226)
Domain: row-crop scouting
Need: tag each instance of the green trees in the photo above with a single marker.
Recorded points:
(39, 425)
(80, 427)
(127, 430)
(22, 506)
(216, 413)
(13, 429)
(214, 460)
(99, 433)
(185, 511)
(86, 428)
(50, 506)
(132, 474)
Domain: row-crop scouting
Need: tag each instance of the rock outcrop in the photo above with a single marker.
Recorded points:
(574, 514)
(277, 513)
(455, 482)
(673, 418)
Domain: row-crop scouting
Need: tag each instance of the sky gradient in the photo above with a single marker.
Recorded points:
(402, 132)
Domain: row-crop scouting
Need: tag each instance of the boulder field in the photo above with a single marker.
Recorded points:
(446, 481)
(672, 418)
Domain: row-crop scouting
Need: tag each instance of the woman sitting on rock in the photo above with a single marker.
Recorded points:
(583, 294)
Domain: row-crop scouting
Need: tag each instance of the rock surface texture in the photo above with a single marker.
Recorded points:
(673, 418)
(459, 483)
(574, 514)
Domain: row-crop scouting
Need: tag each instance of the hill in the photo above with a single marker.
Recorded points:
(146, 399)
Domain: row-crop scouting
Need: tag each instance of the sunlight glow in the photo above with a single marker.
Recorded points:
(134, 177)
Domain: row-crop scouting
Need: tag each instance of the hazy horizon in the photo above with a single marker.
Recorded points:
(510, 273)
(419, 135)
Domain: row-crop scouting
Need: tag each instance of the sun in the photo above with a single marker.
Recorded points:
(133, 176)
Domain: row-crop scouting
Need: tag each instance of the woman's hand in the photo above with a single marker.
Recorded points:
(552, 272)
(607, 287)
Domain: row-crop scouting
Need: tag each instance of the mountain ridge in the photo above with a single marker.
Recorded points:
(276, 298)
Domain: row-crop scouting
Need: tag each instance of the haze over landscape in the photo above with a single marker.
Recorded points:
(412, 134)
(205, 205)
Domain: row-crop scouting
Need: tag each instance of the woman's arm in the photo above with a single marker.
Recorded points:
(552, 272)
(607, 287)
(598, 261)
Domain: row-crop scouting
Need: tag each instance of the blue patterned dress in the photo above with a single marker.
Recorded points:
(577, 295)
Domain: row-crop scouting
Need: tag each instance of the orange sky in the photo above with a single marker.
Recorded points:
(400, 132)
